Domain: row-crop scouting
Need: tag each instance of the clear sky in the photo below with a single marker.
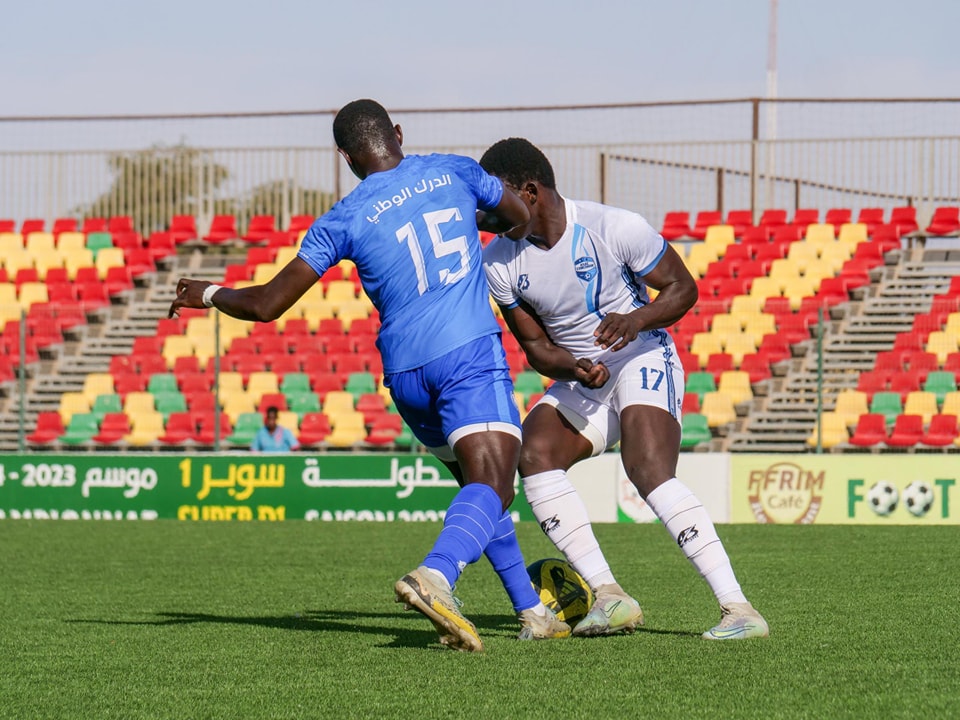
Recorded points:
(111, 56)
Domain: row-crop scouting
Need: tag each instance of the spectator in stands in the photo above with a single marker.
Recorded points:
(272, 437)
(410, 227)
(572, 285)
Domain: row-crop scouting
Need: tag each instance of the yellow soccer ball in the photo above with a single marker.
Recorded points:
(561, 589)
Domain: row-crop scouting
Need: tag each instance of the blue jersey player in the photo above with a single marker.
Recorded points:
(410, 227)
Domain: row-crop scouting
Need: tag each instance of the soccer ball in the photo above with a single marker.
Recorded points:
(883, 498)
(561, 589)
(918, 498)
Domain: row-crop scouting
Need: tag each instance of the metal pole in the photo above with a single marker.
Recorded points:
(22, 384)
(216, 380)
(603, 178)
(820, 380)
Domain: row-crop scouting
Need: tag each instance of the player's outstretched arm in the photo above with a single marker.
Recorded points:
(547, 358)
(261, 303)
(677, 294)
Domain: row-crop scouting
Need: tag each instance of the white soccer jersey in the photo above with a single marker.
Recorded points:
(596, 268)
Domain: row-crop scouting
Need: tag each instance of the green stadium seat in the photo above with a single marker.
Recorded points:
(700, 383)
(246, 429)
(360, 383)
(888, 404)
(302, 402)
(169, 402)
(81, 429)
(103, 404)
(294, 382)
(695, 430)
(940, 382)
(528, 382)
(97, 241)
(405, 439)
(163, 383)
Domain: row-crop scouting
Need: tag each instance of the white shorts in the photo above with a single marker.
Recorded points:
(650, 378)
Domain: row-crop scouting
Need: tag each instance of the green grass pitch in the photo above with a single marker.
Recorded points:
(297, 620)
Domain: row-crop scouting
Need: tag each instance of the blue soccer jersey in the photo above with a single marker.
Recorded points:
(412, 233)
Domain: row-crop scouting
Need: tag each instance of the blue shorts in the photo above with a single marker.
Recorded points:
(465, 391)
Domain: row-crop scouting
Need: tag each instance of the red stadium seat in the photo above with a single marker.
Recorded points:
(905, 218)
(260, 228)
(49, 427)
(805, 216)
(314, 427)
(676, 225)
(838, 217)
(907, 431)
(299, 223)
(945, 222)
(120, 224)
(32, 225)
(757, 366)
(873, 381)
(222, 229)
(183, 228)
(93, 224)
(705, 218)
(113, 428)
(871, 430)
(179, 429)
(161, 245)
(942, 431)
(773, 218)
(62, 225)
(741, 220)
(871, 217)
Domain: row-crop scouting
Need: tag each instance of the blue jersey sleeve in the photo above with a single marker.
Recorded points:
(326, 242)
(487, 189)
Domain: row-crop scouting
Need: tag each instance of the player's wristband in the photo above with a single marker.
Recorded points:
(209, 293)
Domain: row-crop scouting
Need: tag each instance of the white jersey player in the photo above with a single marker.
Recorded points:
(572, 285)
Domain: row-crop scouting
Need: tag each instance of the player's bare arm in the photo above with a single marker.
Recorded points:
(677, 294)
(510, 213)
(547, 358)
(259, 303)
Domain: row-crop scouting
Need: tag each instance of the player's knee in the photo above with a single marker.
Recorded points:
(535, 457)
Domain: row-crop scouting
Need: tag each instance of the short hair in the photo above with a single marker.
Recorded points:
(273, 410)
(517, 161)
(362, 125)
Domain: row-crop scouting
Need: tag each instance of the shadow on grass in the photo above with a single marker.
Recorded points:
(372, 623)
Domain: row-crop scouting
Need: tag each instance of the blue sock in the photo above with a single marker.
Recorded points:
(467, 528)
(504, 554)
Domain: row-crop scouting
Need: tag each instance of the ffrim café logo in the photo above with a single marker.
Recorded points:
(785, 492)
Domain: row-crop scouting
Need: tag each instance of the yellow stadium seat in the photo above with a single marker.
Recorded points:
(33, 292)
(95, 384)
(11, 240)
(852, 234)
(138, 403)
(175, 346)
(850, 405)
(951, 403)
(921, 402)
(784, 269)
(200, 326)
(353, 310)
(285, 255)
(705, 344)
(745, 305)
(265, 272)
(70, 241)
(820, 235)
(348, 430)
(834, 432)
(818, 270)
(43, 263)
(760, 324)
(796, 289)
(9, 311)
(836, 251)
(231, 383)
(8, 294)
(289, 419)
(953, 324)
(145, 428)
(314, 312)
(337, 402)
(679, 247)
(108, 258)
(718, 409)
(339, 291)
(699, 257)
(76, 259)
(942, 343)
(204, 347)
(15, 260)
(724, 324)
(803, 253)
(40, 243)
(236, 405)
(72, 403)
(719, 237)
(736, 384)
(739, 345)
(314, 293)
(260, 382)
(765, 287)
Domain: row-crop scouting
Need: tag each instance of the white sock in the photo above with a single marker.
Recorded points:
(688, 522)
(563, 518)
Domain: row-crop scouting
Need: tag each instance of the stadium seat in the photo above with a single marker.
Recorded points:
(222, 229)
(718, 408)
(704, 220)
(114, 427)
(695, 430)
(942, 431)
(871, 217)
(740, 220)
(850, 405)
(348, 430)
(773, 218)
(736, 385)
(834, 432)
(907, 431)
(146, 428)
(905, 218)
(804, 217)
(939, 383)
(757, 366)
(922, 403)
(103, 405)
(183, 228)
(245, 429)
(886, 403)
(73, 403)
(871, 430)
(80, 430)
(179, 429)
(945, 222)
(314, 427)
(48, 429)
